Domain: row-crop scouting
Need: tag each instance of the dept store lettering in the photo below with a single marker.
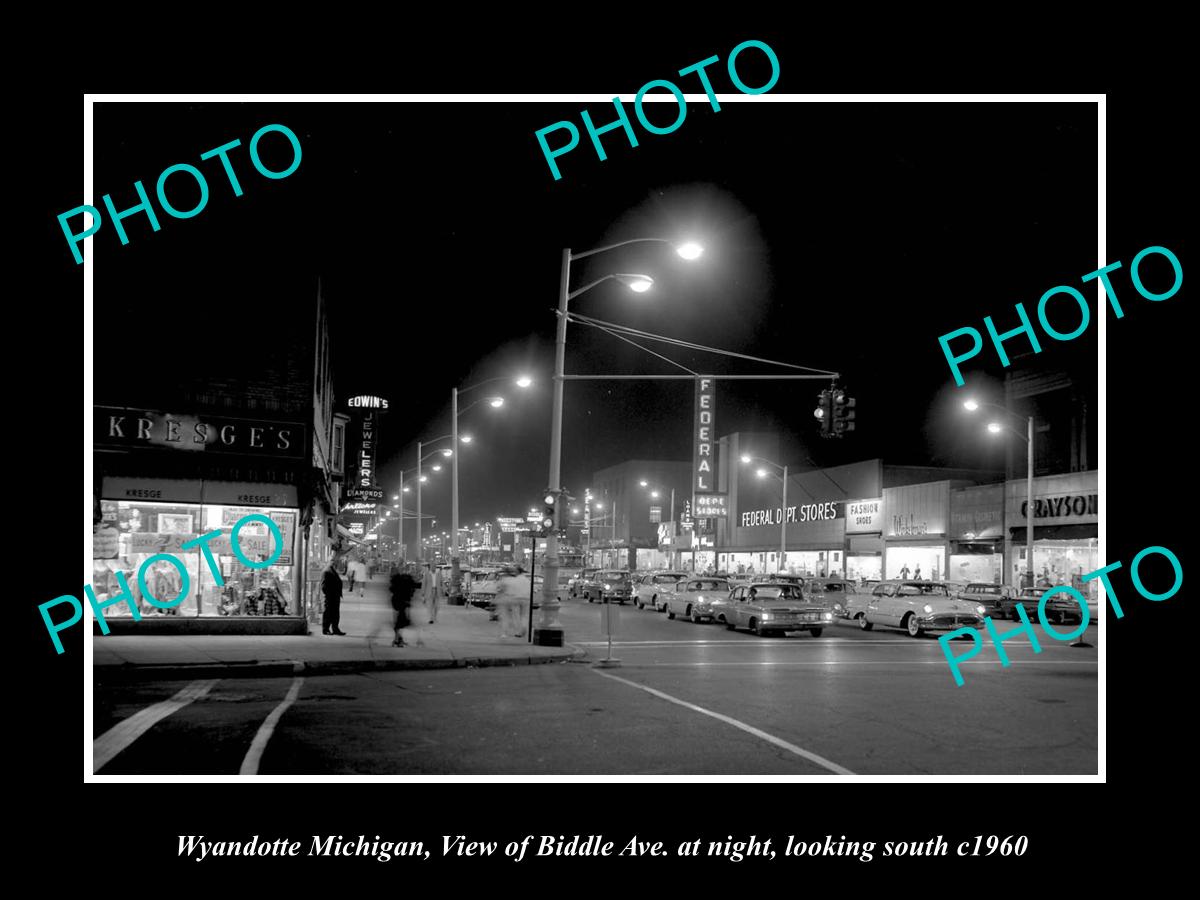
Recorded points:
(811, 512)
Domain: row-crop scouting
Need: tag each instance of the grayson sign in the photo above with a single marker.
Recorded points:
(809, 512)
(702, 457)
(1066, 506)
(120, 427)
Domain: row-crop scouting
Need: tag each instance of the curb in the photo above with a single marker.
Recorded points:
(131, 672)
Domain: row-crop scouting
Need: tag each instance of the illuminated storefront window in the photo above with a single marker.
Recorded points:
(131, 531)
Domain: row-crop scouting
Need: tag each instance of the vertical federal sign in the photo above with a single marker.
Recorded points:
(703, 467)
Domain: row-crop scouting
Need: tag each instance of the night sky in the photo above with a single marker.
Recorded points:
(845, 237)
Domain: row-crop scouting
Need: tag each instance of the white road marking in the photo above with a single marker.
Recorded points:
(259, 744)
(793, 642)
(878, 662)
(124, 733)
(749, 729)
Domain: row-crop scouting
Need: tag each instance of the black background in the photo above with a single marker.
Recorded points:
(1071, 826)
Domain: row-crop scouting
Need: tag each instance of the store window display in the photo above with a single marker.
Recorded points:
(130, 532)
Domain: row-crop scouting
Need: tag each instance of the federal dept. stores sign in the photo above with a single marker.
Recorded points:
(809, 512)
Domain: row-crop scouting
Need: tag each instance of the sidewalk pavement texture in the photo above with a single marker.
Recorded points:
(463, 636)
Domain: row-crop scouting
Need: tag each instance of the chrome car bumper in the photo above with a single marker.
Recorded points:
(948, 621)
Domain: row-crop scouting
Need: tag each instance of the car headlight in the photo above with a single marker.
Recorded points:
(928, 608)
(837, 607)
(828, 617)
(766, 616)
(981, 610)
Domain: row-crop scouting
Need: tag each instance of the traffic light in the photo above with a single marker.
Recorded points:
(843, 412)
(824, 412)
(550, 512)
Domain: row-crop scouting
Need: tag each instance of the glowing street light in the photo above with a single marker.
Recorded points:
(689, 250)
(995, 427)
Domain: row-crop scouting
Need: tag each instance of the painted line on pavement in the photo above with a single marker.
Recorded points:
(816, 642)
(877, 662)
(125, 732)
(259, 744)
(749, 729)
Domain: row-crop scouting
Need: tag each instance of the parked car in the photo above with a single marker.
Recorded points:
(610, 585)
(482, 589)
(988, 596)
(918, 607)
(653, 588)
(833, 592)
(696, 598)
(765, 607)
(1060, 608)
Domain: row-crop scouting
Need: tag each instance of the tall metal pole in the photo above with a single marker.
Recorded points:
(674, 526)
(455, 568)
(420, 545)
(549, 632)
(400, 537)
(783, 524)
(1029, 503)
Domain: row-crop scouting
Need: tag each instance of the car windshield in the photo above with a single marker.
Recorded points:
(917, 590)
(708, 585)
(613, 576)
(777, 592)
(666, 579)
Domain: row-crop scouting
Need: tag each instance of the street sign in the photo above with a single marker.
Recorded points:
(712, 506)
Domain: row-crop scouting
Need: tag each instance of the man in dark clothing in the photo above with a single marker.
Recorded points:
(403, 586)
(331, 587)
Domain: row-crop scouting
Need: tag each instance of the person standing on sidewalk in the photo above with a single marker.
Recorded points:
(331, 587)
(350, 573)
(435, 594)
(360, 575)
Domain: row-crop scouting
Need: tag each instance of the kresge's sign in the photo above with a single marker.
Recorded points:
(119, 427)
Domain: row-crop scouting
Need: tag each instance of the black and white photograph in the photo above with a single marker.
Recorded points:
(740, 437)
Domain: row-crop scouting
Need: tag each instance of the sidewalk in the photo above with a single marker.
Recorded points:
(463, 636)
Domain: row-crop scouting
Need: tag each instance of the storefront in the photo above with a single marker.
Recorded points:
(864, 539)
(977, 534)
(1065, 532)
(144, 517)
(914, 531)
(164, 480)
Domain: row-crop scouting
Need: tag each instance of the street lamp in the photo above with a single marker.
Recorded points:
(973, 405)
(422, 479)
(747, 459)
(522, 381)
(549, 632)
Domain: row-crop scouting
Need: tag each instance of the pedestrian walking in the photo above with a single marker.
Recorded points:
(331, 587)
(512, 593)
(433, 598)
(403, 587)
(351, 571)
(360, 574)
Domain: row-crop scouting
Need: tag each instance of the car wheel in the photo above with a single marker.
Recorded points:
(913, 626)
(863, 623)
(815, 632)
(757, 628)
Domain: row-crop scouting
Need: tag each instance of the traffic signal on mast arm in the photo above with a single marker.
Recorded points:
(843, 412)
(824, 412)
